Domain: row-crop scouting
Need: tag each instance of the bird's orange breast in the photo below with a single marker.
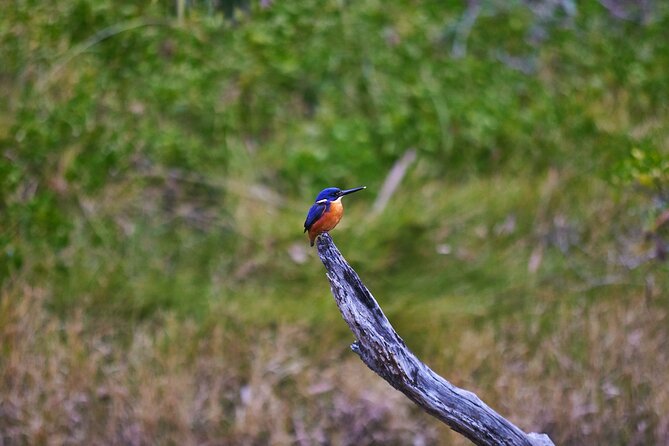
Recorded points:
(328, 220)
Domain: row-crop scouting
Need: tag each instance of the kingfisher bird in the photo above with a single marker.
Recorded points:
(326, 211)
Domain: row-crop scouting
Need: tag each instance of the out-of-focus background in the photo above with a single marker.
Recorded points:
(157, 160)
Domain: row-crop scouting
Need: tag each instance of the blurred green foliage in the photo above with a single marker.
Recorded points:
(109, 106)
(127, 131)
(648, 168)
(160, 157)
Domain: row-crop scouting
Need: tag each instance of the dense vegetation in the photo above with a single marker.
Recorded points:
(157, 161)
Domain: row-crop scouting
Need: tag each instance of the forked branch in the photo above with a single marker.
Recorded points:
(381, 348)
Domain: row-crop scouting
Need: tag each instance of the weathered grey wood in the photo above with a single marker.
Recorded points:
(381, 348)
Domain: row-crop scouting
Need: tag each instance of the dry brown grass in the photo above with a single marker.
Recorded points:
(597, 379)
(174, 383)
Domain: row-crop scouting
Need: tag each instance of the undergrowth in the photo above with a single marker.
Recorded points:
(157, 163)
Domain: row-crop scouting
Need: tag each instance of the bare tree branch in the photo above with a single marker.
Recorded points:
(393, 180)
(381, 348)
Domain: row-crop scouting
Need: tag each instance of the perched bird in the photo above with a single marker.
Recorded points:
(326, 212)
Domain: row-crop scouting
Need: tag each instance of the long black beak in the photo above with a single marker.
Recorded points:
(350, 191)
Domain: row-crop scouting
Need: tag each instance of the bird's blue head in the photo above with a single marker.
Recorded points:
(332, 193)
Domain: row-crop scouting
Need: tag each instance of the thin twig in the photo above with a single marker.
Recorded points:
(393, 180)
(98, 37)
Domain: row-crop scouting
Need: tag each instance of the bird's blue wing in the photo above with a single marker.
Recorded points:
(315, 212)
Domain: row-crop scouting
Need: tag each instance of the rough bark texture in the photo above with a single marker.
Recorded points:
(381, 348)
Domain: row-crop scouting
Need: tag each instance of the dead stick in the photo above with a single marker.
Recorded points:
(381, 348)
